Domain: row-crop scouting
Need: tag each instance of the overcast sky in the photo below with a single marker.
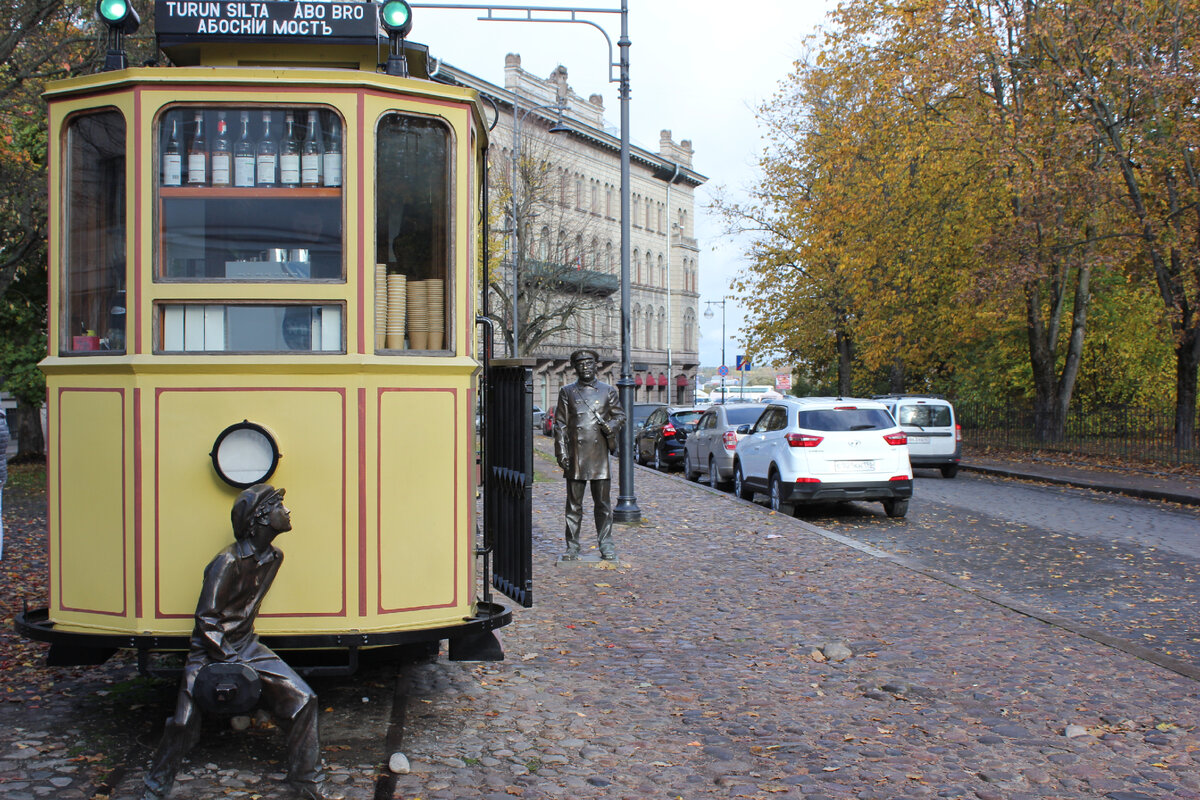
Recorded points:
(698, 68)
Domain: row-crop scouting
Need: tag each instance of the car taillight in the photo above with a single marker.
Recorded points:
(808, 480)
(803, 440)
(730, 439)
(958, 433)
(896, 438)
(668, 429)
(899, 478)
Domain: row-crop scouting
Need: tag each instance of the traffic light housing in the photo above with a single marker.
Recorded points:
(122, 19)
(396, 19)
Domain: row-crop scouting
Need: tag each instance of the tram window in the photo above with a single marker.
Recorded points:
(94, 317)
(250, 194)
(245, 328)
(412, 226)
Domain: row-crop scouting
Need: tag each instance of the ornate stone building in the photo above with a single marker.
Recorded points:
(575, 232)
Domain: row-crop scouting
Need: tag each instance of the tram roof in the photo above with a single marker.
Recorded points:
(296, 42)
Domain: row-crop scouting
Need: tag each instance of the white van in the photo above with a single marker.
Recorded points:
(934, 435)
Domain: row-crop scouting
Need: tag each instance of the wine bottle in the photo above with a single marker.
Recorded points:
(243, 155)
(311, 152)
(332, 160)
(172, 164)
(197, 156)
(289, 153)
(268, 155)
(222, 153)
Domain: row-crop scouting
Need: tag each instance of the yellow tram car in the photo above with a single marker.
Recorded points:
(264, 266)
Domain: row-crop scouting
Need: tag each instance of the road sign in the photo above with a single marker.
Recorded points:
(722, 370)
(743, 363)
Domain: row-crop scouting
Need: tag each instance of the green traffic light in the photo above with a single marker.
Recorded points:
(396, 17)
(113, 10)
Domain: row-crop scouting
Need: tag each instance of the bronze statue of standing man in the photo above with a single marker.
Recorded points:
(586, 423)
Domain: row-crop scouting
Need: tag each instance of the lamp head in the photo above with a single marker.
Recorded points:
(119, 16)
(708, 312)
(395, 17)
(122, 20)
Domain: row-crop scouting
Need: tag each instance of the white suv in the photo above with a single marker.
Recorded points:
(825, 448)
(934, 435)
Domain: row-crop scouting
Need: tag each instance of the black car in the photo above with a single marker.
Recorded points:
(660, 438)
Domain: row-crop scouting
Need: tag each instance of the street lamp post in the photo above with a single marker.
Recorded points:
(518, 255)
(708, 314)
(626, 509)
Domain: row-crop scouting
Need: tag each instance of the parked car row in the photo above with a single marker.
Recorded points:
(798, 450)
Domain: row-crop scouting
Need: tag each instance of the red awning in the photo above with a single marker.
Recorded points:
(682, 380)
(662, 379)
(637, 380)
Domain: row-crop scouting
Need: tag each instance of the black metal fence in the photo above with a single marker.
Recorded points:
(1109, 432)
(508, 476)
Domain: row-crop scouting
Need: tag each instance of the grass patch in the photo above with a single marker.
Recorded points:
(26, 479)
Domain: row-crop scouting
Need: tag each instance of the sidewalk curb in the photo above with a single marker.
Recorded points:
(1099, 486)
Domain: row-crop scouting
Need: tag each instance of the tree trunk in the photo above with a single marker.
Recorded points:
(896, 376)
(25, 422)
(1187, 362)
(845, 350)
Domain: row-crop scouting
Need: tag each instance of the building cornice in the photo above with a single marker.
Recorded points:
(503, 98)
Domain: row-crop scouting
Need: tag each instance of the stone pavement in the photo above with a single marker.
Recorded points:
(740, 653)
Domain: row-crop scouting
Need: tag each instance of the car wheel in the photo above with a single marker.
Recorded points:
(895, 508)
(714, 475)
(739, 484)
(776, 493)
(659, 464)
(688, 472)
(950, 470)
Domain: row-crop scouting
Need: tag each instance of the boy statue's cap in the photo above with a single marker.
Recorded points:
(250, 499)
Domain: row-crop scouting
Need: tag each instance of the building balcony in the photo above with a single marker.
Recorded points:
(569, 278)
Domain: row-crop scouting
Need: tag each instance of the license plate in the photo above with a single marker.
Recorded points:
(918, 440)
(854, 466)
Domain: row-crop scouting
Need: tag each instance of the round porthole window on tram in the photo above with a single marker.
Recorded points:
(245, 454)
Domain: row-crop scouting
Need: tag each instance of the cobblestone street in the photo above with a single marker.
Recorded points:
(699, 669)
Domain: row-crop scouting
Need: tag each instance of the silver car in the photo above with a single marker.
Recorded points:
(709, 449)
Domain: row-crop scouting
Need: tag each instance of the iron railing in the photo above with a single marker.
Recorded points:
(1116, 432)
(508, 476)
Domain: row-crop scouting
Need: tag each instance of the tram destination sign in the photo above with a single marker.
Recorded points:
(182, 21)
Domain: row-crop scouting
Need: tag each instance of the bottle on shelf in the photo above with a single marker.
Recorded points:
(221, 158)
(332, 160)
(268, 155)
(289, 153)
(243, 155)
(172, 162)
(311, 152)
(197, 155)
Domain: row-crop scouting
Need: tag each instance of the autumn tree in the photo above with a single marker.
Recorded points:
(1130, 71)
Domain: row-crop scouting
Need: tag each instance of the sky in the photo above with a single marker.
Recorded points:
(698, 68)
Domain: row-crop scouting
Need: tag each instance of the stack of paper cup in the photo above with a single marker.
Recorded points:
(418, 317)
(380, 306)
(435, 303)
(397, 302)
